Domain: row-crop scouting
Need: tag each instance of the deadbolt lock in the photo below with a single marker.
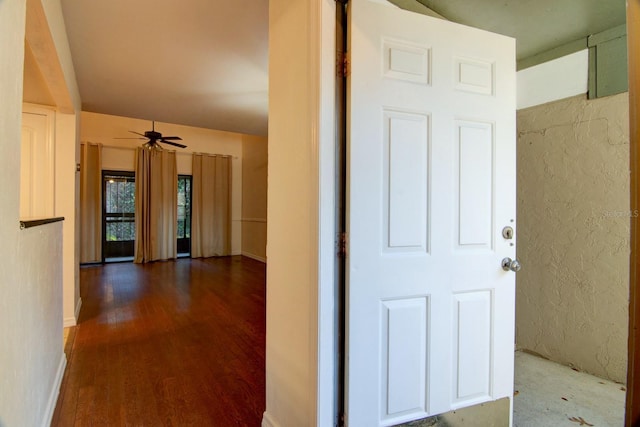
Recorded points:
(507, 232)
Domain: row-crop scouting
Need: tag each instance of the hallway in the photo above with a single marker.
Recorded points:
(167, 344)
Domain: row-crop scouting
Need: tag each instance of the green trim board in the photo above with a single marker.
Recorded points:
(593, 78)
(551, 54)
(606, 35)
(608, 74)
(417, 7)
(572, 47)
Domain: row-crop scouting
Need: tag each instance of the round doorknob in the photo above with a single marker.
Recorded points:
(509, 264)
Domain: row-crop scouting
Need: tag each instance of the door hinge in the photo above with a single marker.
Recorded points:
(343, 64)
(341, 420)
(342, 245)
(346, 64)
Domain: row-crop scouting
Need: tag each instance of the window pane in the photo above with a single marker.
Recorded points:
(119, 231)
(119, 205)
(184, 207)
(120, 195)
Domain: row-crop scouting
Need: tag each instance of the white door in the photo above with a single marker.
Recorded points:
(431, 185)
(37, 163)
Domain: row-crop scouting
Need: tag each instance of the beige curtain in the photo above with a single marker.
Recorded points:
(156, 205)
(211, 206)
(90, 203)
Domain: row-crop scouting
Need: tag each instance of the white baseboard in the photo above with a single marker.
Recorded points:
(73, 321)
(55, 391)
(253, 256)
(268, 421)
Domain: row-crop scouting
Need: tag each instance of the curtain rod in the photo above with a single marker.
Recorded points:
(182, 153)
(212, 155)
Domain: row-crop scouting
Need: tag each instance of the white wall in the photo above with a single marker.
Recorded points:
(66, 202)
(300, 245)
(291, 226)
(558, 79)
(119, 154)
(254, 197)
(67, 154)
(36, 90)
(31, 360)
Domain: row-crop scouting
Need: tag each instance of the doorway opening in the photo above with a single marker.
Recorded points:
(118, 215)
(184, 216)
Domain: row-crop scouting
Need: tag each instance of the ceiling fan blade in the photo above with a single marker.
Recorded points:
(129, 138)
(172, 138)
(137, 133)
(175, 144)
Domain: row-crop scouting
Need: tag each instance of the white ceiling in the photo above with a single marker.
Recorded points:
(193, 62)
(204, 62)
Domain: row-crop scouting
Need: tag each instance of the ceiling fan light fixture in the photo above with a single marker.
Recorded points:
(154, 138)
(152, 146)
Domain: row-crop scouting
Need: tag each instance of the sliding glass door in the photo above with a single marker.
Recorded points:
(118, 215)
(184, 215)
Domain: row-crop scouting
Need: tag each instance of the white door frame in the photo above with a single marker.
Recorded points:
(301, 333)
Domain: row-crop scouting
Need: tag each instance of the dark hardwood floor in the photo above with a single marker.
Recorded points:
(177, 343)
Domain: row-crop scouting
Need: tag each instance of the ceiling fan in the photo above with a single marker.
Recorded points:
(155, 137)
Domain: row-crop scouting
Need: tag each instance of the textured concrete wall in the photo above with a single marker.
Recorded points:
(573, 235)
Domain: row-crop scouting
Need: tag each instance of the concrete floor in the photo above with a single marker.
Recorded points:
(550, 395)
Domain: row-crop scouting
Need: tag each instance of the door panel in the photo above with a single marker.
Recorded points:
(431, 183)
(405, 174)
(37, 177)
(472, 358)
(404, 344)
(474, 187)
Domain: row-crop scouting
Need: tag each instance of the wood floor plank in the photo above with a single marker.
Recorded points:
(177, 343)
